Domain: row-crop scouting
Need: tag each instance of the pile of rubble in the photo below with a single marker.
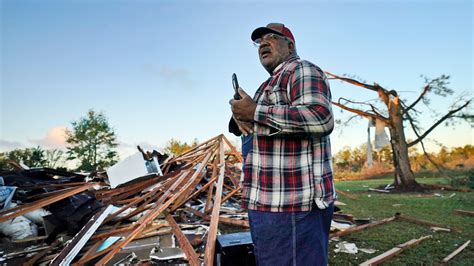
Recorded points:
(169, 214)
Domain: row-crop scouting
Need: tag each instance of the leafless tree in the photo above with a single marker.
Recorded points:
(398, 112)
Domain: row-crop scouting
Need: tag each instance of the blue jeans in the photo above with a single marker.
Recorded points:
(291, 238)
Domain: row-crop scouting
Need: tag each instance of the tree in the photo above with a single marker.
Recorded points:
(92, 141)
(31, 157)
(177, 147)
(397, 112)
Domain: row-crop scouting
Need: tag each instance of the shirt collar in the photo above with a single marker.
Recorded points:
(280, 66)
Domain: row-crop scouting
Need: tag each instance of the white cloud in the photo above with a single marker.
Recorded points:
(54, 139)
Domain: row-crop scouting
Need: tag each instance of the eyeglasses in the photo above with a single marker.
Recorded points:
(267, 37)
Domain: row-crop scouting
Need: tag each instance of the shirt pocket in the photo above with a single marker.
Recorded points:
(277, 96)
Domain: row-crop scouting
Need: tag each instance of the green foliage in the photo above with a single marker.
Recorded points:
(92, 141)
(31, 157)
(177, 147)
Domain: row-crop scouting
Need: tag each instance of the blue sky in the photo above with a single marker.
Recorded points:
(162, 69)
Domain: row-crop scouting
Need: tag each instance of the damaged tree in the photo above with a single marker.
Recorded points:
(397, 112)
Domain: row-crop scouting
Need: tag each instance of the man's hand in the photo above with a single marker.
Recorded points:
(245, 127)
(243, 109)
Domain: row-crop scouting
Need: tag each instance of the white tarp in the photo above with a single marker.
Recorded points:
(130, 168)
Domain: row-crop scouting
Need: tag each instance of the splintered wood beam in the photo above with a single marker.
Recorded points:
(422, 222)
(457, 251)
(394, 251)
(234, 222)
(211, 182)
(183, 242)
(212, 235)
(150, 194)
(233, 149)
(362, 227)
(224, 220)
(160, 206)
(184, 197)
(8, 214)
(464, 212)
(232, 193)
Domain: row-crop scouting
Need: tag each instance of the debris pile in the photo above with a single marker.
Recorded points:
(168, 212)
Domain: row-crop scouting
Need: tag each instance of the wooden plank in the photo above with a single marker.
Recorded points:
(234, 222)
(160, 206)
(232, 193)
(464, 212)
(362, 227)
(233, 149)
(8, 214)
(212, 234)
(183, 242)
(422, 222)
(394, 251)
(66, 256)
(457, 251)
(184, 197)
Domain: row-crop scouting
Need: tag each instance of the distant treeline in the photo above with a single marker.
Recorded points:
(353, 161)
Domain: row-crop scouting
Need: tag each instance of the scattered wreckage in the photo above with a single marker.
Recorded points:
(147, 209)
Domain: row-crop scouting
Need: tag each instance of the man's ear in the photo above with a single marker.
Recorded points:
(291, 46)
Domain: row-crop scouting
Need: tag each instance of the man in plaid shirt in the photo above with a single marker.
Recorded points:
(288, 184)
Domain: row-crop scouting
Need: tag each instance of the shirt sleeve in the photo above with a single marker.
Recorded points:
(309, 110)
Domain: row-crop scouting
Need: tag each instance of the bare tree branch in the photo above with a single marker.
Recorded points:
(423, 93)
(446, 116)
(360, 112)
(352, 81)
(374, 109)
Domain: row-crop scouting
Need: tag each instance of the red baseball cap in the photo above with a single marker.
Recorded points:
(277, 28)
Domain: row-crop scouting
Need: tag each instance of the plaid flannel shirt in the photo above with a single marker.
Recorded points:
(290, 165)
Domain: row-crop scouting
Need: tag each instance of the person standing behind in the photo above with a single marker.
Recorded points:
(288, 184)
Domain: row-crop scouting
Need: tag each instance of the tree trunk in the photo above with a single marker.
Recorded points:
(404, 177)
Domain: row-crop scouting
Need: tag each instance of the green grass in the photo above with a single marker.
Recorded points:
(424, 206)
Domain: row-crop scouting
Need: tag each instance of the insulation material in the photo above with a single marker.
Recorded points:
(35, 216)
(370, 159)
(381, 137)
(19, 228)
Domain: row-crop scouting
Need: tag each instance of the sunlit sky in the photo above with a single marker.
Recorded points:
(162, 69)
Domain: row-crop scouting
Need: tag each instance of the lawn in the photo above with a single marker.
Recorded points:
(434, 206)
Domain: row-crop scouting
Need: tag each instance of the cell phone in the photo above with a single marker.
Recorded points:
(235, 83)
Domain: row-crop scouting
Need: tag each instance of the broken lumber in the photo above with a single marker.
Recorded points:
(9, 214)
(393, 252)
(457, 251)
(379, 190)
(422, 222)
(362, 227)
(212, 235)
(464, 212)
(183, 242)
(160, 206)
